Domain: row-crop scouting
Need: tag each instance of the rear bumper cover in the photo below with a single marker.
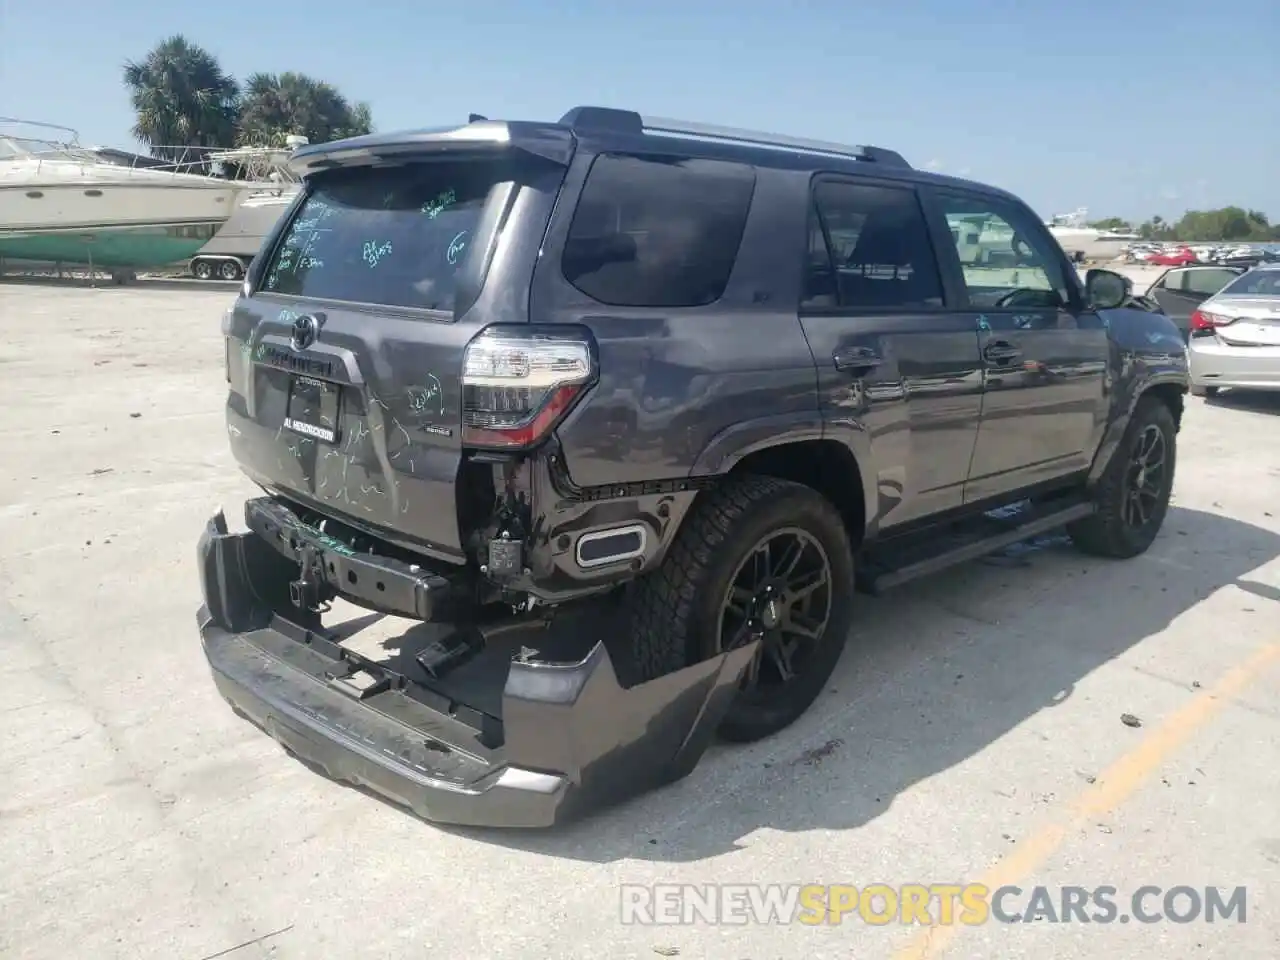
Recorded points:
(571, 738)
(1217, 364)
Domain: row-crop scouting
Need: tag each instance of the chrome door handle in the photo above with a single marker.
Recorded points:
(856, 359)
(1001, 352)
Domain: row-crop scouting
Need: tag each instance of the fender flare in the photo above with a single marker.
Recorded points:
(1126, 401)
(726, 449)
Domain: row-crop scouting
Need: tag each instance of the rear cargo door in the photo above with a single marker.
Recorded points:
(345, 362)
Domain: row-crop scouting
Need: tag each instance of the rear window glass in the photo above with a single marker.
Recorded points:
(657, 232)
(1257, 283)
(392, 236)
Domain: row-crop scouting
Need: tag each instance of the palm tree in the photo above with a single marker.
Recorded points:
(277, 105)
(183, 99)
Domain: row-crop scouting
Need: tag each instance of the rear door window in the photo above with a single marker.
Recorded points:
(657, 231)
(869, 248)
(393, 236)
(1208, 282)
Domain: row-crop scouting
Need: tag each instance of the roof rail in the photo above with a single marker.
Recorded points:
(628, 121)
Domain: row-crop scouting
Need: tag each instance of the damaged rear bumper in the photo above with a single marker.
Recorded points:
(569, 737)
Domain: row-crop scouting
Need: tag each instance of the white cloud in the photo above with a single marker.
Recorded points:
(934, 164)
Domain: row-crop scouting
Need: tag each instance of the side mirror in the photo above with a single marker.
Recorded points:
(1106, 290)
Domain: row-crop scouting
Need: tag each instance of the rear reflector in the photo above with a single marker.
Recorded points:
(517, 382)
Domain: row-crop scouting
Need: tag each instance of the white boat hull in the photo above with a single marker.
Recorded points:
(33, 206)
(1091, 245)
(250, 224)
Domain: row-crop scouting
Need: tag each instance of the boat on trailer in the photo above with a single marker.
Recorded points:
(228, 254)
(64, 203)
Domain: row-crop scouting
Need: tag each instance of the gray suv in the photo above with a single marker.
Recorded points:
(625, 410)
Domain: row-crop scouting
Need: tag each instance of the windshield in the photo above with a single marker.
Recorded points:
(1256, 283)
(396, 237)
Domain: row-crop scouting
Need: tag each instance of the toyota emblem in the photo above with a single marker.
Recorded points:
(305, 330)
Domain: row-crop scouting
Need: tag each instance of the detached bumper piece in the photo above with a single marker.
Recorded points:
(569, 737)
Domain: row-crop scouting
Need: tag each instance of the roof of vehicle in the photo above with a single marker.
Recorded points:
(630, 130)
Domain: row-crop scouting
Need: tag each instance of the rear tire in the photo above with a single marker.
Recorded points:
(681, 613)
(1133, 494)
(202, 270)
(230, 270)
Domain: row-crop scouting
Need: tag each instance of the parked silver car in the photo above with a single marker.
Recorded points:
(1235, 335)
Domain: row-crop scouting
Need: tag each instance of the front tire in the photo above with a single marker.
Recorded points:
(1133, 495)
(758, 558)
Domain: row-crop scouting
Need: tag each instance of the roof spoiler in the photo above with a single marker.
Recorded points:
(588, 119)
(479, 135)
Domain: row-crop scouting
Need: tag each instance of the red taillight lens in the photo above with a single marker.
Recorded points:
(1206, 320)
(517, 383)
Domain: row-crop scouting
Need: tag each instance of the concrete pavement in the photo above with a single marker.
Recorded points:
(972, 730)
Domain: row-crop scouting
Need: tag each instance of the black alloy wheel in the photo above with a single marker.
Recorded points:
(1133, 493)
(1145, 480)
(781, 596)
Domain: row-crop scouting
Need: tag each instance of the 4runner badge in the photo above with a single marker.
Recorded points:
(305, 330)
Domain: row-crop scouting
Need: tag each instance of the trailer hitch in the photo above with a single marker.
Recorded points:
(307, 591)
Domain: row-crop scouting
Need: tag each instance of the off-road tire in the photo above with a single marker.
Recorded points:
(1205, 391)
(1105, 533)
(674, 610)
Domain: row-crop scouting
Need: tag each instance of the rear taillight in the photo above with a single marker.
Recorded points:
(518, 382)
(1207, 320)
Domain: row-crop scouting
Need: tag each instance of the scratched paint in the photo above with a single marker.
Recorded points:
(428, 398)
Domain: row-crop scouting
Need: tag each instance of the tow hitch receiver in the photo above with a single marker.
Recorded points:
(305, 591)
(491, 738)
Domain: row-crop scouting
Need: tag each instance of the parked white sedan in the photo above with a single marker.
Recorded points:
(1235, 335)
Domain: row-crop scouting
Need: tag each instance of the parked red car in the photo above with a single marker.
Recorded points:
(1179, 258)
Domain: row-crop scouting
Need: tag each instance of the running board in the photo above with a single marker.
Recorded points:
(893, 564)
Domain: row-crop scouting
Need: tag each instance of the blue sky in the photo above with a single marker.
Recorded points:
(1129, 108)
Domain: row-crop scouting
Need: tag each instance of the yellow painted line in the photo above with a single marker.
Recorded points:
(1119, 782)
